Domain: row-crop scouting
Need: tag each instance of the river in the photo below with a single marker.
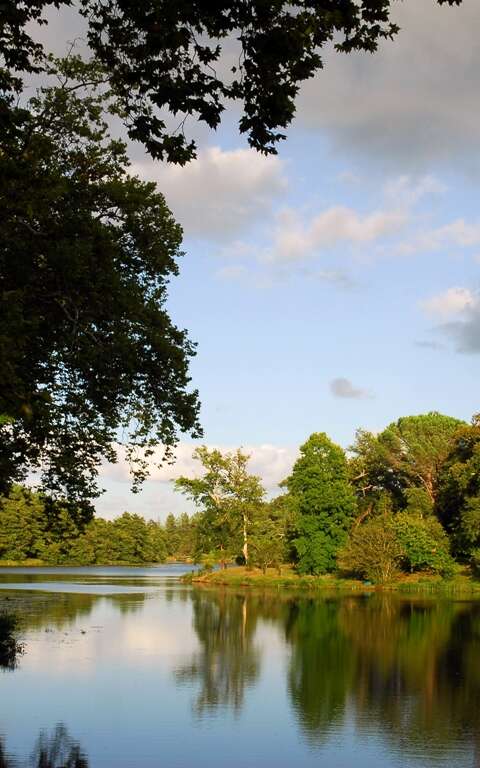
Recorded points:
(130, 668)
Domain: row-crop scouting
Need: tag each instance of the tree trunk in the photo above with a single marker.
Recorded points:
(245, 540)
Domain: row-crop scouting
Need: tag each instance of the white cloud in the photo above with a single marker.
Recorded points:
(459, 234)
(343, 388)
(449, 303)
(295, 239)
(272, 463)
(405, 191)
(413, 101)
(221, 192)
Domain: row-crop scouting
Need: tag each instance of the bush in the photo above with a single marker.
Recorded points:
(373, 550)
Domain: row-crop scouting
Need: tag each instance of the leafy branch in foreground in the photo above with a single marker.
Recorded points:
(193, 58)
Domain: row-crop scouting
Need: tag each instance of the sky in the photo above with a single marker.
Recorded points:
(335, 285)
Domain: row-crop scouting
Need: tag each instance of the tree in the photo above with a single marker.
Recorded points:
(172, 535)
(228, 497)
(459, 497)
(425, 543)
(162, 55)
(187, 536)
(32, 525)
(373, 550)
(22, 525)
(325, 502)
(409, 454)
(268, 541)
(87, 349)
(415, 447)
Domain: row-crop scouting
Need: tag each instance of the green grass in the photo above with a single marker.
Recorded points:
(22, 563)
(462, 582)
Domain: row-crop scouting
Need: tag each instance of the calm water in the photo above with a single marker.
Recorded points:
(129, 668)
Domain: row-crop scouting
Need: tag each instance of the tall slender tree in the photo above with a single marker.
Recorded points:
(319, 485)
(229, 499)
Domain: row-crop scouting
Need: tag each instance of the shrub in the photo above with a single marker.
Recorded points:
(373, 550)
(425, 543)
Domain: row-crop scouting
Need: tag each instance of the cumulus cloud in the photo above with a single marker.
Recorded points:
(449, 303)
(415, 100)
(295, 239)
(343, 388)
(463, 307)
(272, 463)
(458, 233)
(221, 192)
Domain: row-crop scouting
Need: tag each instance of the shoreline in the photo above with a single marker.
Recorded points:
(114, 564)
(461, 584)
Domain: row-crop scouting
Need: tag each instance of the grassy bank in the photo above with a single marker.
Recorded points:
(114, 563)
(463, 583)
(22, 564)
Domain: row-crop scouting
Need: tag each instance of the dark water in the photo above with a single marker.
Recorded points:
(129, 668)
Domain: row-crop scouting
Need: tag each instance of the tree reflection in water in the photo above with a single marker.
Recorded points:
(55, 750)
(407, 669)
(228, 661)
(10, 647)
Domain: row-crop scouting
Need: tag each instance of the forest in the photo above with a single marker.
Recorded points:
(404, 500)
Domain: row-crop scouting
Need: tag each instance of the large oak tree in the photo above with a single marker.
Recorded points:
(88, 354)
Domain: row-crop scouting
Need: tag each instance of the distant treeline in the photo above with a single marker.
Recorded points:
(406, 499)
(34, 528)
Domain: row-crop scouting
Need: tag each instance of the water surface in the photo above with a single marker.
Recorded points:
(131, 668)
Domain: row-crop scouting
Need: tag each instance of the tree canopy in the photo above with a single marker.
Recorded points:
(459, 495)
(193, 58)
(325, 503)
(409, 453)
(228, 497)
(88, 352)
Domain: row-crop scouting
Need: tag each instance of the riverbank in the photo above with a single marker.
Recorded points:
(112, 564)
(462, 583)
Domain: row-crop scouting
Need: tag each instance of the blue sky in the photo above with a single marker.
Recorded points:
(336, 285)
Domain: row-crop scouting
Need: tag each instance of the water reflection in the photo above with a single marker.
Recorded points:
(228, 662)
(322, 665)
(407, 669)
(376, 680)
(59, 611)
(10, 646)
(54, 750)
